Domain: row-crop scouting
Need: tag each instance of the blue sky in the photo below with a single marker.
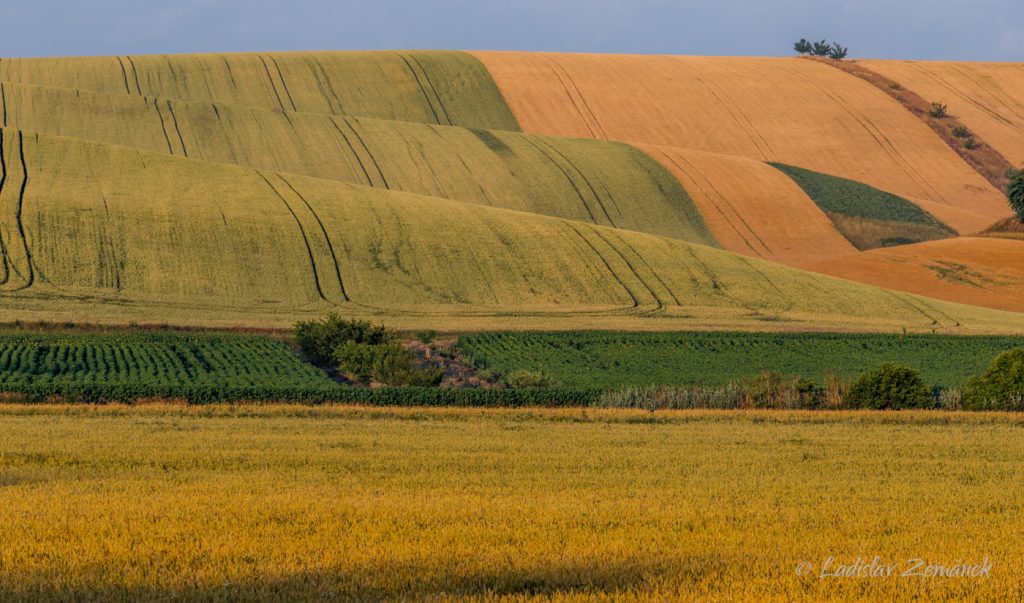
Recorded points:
(913, 29)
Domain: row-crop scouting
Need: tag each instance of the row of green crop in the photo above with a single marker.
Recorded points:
(152, 362)
(613, 360)
(333, 394)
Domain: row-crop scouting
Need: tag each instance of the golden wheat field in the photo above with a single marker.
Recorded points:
(347, 503)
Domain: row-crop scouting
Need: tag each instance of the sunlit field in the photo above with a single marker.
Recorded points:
(245, 502)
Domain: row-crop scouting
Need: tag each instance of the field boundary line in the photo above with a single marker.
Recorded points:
(327, 238)
(302, 231)
(437, 97)
(174, 118)
(163, 126)
(615, 275)
(135, 74)
(284, 84)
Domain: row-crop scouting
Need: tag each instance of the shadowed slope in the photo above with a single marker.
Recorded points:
(792, 111)
(148, 236)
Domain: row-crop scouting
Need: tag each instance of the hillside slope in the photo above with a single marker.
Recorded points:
(120, 234)
(601, 182)
(752, 208)
(438, 87)
(985, 272)
(791, 111)
(988, 97)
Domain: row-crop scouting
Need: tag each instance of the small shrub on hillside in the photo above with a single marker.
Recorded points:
(890, 386)
(838, 51)
(938, 110)
(821, 49)
(961, 132)
(320, 338)
(388, 363)
(1001, 387)
(523, 378)
(970, 144)
(1015, 192)
(896, 86)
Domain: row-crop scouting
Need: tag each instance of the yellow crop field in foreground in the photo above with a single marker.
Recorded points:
(570, 505)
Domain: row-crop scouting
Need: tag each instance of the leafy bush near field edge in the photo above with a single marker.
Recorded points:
(364, 351)
(890, 387)
(1001, 387)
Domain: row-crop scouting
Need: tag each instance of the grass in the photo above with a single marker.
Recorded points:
(439, 87)
(357, 504)
(612, 360)
(109, 233)
(867, 217)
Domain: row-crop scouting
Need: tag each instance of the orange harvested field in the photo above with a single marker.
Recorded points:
(753, 208)
(970, 270)
(793, 111)
(987, 97)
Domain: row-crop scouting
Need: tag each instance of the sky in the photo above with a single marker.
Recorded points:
(909, 29)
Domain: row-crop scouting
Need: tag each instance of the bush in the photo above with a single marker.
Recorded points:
(388, 363)
(1001, 387)
(803, 46)
(426, 337)
(970, 144)
(896, 86)
(821, 49)
(319, 339)
(838, 51)
(938, 110)
(1015, 192)
(523, 378)
(890, 386)
(961, 132)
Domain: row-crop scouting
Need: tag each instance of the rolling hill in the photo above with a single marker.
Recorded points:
(441, 87)
(253, 189)
(601, 182)
(111, 231)
(789, 111)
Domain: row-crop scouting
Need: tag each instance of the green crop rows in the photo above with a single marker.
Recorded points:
(611, 359)
(124, 367)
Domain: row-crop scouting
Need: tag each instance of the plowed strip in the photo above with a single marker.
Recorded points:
(753, 208)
